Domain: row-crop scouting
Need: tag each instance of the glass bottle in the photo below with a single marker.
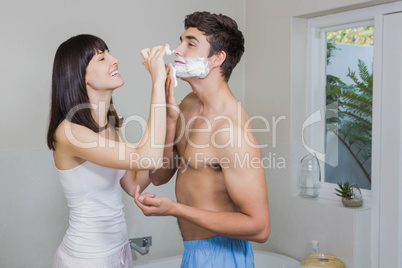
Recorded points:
(309, 176)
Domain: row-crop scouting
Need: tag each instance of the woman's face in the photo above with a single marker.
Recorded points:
(102, 72)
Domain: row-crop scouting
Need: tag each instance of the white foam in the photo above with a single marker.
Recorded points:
(190, 66)
(168, 51)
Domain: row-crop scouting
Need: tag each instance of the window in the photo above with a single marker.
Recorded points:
(340, 80)
(349, 102)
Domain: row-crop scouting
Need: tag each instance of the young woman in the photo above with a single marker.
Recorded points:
(92, 159)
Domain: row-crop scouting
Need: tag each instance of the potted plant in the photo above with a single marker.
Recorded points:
(350, 193)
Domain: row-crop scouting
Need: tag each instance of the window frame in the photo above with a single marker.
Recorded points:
(316, 80)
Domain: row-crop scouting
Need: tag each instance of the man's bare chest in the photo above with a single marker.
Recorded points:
(197, 146)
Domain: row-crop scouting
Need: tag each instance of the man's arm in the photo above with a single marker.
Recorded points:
(245, 180)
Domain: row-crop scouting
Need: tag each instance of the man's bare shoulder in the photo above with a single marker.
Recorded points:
(189, 101)
(236, 114)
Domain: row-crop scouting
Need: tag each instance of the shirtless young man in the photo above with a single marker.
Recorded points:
(222, 201)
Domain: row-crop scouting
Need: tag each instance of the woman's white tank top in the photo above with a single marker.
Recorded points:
(97, 226)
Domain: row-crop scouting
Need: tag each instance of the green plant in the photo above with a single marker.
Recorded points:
(355, 103)
(345, 190)
(353, 36)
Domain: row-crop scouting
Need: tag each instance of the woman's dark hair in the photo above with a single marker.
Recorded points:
(223, 35)
(69, 94)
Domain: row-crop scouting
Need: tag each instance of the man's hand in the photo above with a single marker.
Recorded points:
(151, 205)
(172, 110)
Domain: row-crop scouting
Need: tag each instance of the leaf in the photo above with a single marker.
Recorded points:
(353, 125)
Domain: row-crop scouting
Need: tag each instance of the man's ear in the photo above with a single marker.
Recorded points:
(218, 59)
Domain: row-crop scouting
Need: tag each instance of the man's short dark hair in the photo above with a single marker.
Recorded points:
(223, 34)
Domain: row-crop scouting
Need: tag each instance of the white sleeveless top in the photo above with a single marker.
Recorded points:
(97, 226)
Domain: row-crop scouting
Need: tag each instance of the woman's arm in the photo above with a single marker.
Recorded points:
(170, 161)
(132, 178)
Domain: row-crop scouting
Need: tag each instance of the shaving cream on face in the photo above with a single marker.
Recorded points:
(191, 67)
(188, 67)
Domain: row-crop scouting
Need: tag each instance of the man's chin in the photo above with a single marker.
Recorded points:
(191, 78)
(184, 78)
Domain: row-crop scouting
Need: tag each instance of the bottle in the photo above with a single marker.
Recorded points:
(309, 176)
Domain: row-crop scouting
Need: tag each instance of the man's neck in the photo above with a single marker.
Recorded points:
(212, 93)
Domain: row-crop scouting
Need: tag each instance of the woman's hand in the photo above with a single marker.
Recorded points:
(151, 205)
(153, 61)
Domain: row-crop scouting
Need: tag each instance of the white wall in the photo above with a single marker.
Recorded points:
(33, 210)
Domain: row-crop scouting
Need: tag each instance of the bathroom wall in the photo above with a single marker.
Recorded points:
(33, 210)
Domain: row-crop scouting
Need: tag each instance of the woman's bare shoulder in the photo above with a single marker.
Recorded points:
(68, 133)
